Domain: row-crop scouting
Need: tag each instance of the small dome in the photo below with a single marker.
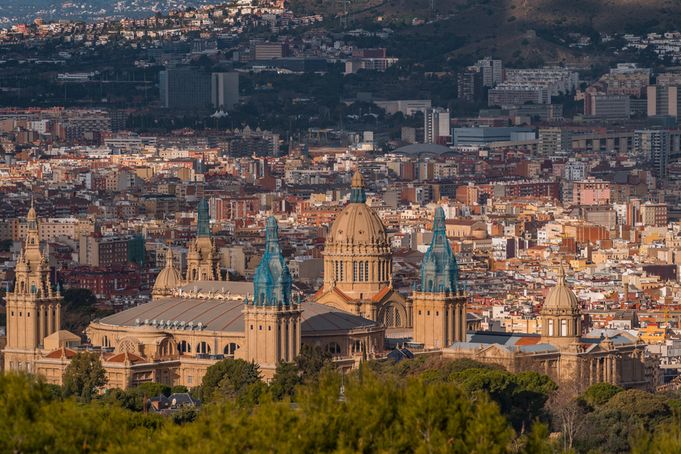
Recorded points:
(561, 297)
(169, 278)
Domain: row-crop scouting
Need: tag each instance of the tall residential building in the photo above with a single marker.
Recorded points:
(436, 126)
(653, 146)
(663, 100)
(492, 71)
(469, 84)
(554, 141)
(185, 88)
(224, 93)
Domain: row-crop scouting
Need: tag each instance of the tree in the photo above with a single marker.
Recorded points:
(568, 413)
(311, 361)
(84, 376)
(229, 378)
(285, 380)
(599, 394)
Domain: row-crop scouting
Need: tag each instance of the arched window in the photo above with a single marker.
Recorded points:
(342, 276)
(366, 271)
(203, 348)
(563, 328)
(391, 316)
(550, 327)
(184, 347)
(361, 270)
(333, 348)
(230, 349)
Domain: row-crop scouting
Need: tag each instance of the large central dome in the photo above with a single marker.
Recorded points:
(357, 224)
(357, 253)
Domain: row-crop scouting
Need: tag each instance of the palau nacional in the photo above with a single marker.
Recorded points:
(197, 318)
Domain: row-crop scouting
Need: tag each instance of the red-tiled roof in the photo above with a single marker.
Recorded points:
(61, 353)
(122, 357)
(380, 295)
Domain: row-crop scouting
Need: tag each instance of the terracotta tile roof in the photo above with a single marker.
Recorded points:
(122, 357)
(61, 353)
(528, 341)
(380, 295)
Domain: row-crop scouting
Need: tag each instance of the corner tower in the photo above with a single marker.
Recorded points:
(202, 257)
(33, 307)
(271, 319)
(439, 305)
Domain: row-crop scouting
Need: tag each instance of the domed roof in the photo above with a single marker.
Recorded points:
(357, 223)
(561, 297)
(169, 278)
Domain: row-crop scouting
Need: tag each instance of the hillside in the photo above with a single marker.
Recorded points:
(521, 30)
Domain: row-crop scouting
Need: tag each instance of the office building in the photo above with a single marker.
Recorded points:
(663, 101)
(185, 88)
(224, 90)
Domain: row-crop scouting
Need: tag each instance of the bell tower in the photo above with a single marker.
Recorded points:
(33, 308)
(202, 258)
(271, 319)
(439, 305)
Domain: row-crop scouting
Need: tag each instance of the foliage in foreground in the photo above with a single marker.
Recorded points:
(374, 415)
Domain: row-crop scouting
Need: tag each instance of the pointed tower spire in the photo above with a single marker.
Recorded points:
(203, 219)
(561, 275)
(272, 280)
(439, 270)
(357, 193)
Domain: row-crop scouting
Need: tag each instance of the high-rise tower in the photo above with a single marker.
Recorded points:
(439, 305)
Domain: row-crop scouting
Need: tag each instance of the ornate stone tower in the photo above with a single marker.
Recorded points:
(271, 319)
(202, 258)
(33, 308)
(560, 316)
(439, 305)
(358, 264)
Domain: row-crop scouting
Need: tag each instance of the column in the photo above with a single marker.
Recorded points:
(57, 325)
(457, 323)
(50, 319)
(291, 340)
(41, 322)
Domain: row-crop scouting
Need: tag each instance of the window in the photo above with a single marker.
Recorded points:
(184, 347)
(203, 348)
(550, 327)
(333, 348)
(354, 271)
(231, 348)
(189, 379)
(563, 328)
